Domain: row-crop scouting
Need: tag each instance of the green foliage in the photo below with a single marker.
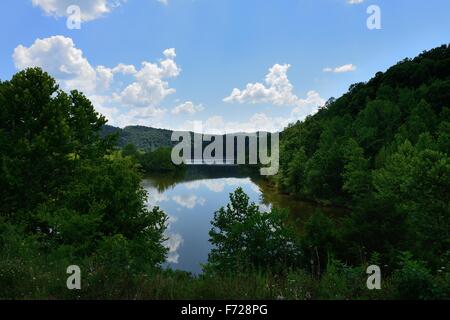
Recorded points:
(295, 177)
(130, 150)
(415, 281)
(341, 282)
(318, 241)
(246, 239)
(159, 160)
(416, 183)
(66, 199)
(382, 151)
(144, 138)
(43, 130)
(357, 176)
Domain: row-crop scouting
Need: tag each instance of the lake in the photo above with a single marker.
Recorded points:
(191, 199)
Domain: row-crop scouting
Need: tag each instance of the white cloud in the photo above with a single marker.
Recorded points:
(124, 69)
(217, 124)
(314, 101)
(58, 56)
(187, 107)
(277, 90)
(341, 69)
(355, 1)
(135, 103)
(90, 9)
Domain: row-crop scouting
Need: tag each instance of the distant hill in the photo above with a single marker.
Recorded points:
(144, 138)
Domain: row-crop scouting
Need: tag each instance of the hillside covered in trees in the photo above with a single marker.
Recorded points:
(381, 150)
(143, 138)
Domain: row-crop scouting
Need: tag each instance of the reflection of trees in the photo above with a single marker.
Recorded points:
(163, 182)
(300, 210)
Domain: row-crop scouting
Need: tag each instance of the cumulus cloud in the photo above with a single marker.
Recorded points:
(136, 103)
(341, 69)
(150, 86)
(218, 125)
(355, 1)
(90, 10)
(187, 107)
(276, 90)
(124, 69)
(59, 56)
(301, 112)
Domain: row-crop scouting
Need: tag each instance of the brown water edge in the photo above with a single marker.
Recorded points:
(299, 210)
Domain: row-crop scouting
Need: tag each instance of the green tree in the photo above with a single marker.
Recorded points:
(357, 175)
(318, 241)
(61, 185)
(296, 172)
(130, 150)
(415, 183)
(44, 133)
(159, 160)
(246, 239)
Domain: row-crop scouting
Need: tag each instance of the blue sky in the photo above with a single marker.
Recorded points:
(224, 65)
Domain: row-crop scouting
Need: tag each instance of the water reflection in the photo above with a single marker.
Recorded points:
(173, 243)
(190, 201)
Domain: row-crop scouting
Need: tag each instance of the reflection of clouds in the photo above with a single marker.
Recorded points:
(264, 207)
(212, 185)
(189, 202)
(173, 242)
(255, 188)
(217, 185)
(154, 197)
(171, 219)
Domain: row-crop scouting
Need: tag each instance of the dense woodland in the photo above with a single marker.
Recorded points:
(381, 151)
(158, 160)
(143, 138)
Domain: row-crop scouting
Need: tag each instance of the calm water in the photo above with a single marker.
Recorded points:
(191, 200)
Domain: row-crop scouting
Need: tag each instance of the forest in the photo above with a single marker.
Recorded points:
(380, 150)
(70, 196)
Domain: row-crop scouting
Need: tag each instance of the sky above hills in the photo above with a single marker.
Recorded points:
(214, 65)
